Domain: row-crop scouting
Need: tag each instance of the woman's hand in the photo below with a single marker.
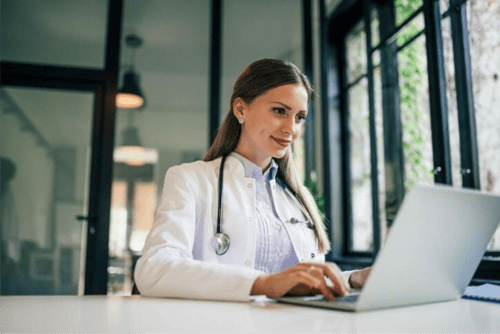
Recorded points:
(303, 279)
(358, 278)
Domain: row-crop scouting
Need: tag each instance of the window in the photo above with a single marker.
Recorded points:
(418, 103)
(484, 32)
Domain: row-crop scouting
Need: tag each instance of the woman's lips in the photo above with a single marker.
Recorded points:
(282, 142)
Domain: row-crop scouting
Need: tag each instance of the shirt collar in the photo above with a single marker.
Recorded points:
(254, 171)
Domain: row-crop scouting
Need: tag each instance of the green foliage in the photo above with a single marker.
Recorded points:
(320, 200)
(412, 79)
(404, 8)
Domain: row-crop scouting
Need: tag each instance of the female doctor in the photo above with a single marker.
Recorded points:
(239, 223)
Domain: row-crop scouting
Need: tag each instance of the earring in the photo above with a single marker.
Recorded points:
(241, 120)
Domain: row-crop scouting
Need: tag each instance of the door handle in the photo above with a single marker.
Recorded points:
(90, 220)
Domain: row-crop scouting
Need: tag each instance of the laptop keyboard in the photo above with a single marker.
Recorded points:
(349, 298)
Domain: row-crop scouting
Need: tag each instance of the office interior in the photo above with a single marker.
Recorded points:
(405, 92)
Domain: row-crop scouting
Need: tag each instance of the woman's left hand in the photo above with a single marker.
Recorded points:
(358, 278)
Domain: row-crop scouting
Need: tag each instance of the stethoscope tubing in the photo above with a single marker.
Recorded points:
(221, 241)
(221, 182)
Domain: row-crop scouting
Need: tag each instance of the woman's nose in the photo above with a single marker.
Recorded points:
(290, 127)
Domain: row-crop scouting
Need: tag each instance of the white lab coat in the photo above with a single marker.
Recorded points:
(178, 259)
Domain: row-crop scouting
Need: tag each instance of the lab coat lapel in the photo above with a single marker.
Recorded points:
(285, 213)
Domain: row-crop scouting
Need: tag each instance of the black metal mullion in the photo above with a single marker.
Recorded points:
(392, 34)
(437, 93)
(92, 244)
(411, 40)
(333, 186)
(113, 37)
(40, 75)
(327, 127)
(355, 82)
(373, 132)
(215, 68)
(14, 80)
(309, 137)
(101, 174)
(465, 102)
(346, 150)
(393, 132)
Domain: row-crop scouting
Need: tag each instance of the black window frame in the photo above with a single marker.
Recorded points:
(103, 83)
(337, 192)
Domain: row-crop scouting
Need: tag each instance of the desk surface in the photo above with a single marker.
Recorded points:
(139, 314)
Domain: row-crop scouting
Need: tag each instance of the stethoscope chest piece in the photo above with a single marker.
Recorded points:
(220, 243)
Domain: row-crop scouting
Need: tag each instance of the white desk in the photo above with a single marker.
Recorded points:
(139, 314)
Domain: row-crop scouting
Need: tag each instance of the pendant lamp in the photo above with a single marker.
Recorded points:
(131, 151)
(130, 96)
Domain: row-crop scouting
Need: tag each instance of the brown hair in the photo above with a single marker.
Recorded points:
(256, 79)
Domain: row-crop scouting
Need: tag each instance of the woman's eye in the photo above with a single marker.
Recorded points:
(280, 111)
(301, 118)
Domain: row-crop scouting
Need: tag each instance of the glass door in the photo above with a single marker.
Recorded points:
(45, 151)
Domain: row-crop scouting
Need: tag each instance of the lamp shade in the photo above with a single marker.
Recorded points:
(131, 152)
(130, 96)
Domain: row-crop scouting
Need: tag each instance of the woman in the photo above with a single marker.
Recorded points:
(275, 233)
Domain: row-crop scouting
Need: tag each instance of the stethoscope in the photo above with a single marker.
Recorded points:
(221, 240)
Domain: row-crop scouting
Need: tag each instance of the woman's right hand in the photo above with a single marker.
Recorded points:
(303, 279)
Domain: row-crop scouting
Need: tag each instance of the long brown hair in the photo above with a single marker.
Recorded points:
(256, 79)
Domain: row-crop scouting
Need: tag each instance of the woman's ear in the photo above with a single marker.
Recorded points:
(239, 108)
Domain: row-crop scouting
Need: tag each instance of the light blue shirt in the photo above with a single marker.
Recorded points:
(274, 250)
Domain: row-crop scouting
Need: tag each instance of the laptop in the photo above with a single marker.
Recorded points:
(431, 252)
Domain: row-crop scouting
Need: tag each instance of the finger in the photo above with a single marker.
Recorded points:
(333, 272)
(319, 272)
(319, 283)
(305, 265)
(326, 290)
(333, 266)
(359, 277)
(309, 280)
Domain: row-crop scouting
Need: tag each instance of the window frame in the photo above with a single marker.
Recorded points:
(103, 82)
(335, 108)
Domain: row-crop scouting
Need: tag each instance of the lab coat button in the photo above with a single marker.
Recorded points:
(249, 185)
(248, 263)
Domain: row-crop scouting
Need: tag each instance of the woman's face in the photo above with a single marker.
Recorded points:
(271, 123)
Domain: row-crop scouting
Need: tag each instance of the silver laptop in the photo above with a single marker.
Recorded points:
(431, 253)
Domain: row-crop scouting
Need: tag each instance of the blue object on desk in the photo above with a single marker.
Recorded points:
(485, 292)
